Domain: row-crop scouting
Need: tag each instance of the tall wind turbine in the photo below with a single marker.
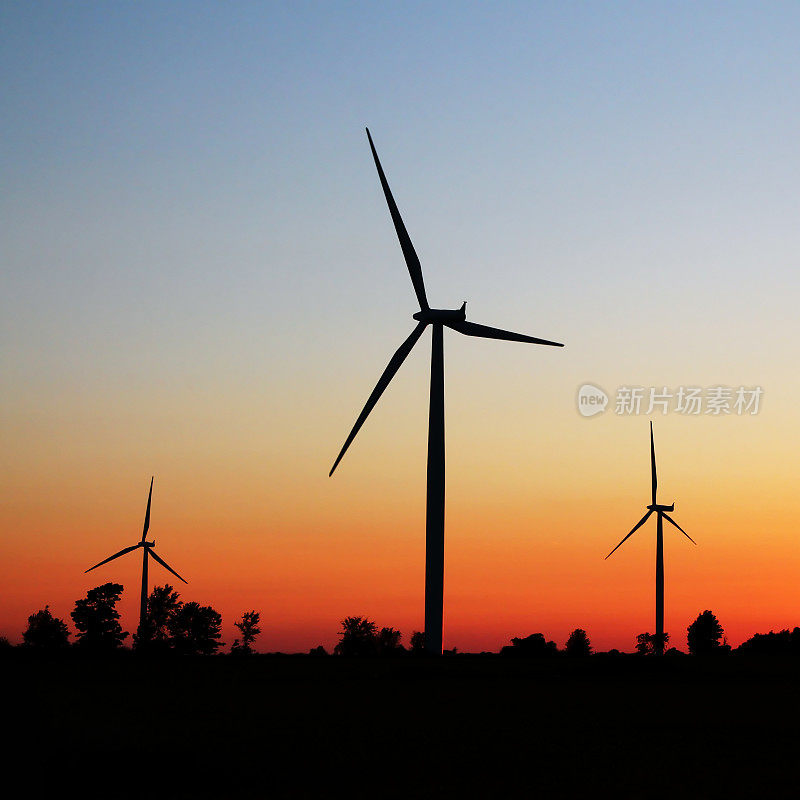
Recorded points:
(147, 551)
(438, 319)
(661, 514)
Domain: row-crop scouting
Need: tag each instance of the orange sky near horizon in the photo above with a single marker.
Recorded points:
(531, 512)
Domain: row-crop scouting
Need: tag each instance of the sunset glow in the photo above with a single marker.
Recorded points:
(201, 282)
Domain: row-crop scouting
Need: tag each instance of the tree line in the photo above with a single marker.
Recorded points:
(170, 625)
(360, 636)
(174, 626)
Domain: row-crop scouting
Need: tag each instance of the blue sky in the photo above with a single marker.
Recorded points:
(192, 148)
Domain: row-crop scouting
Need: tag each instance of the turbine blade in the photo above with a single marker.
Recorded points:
(410, 255)
(164, 564)
(635, 528)
(111, 558)
(485, 332)
(394, 364)
(147, 513)
(653, 463)
(668, 518)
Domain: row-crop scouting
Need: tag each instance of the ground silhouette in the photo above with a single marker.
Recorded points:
(462, 726)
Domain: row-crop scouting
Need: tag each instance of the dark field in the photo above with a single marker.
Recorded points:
(484, 726)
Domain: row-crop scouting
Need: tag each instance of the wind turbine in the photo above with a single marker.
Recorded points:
(438, 319)
(147, 551)
(661, 514)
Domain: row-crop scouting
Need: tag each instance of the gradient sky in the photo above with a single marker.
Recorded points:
(200, 280)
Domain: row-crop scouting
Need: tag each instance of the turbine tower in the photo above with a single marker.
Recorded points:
(438, 319)
(147, 551)
(661, 513)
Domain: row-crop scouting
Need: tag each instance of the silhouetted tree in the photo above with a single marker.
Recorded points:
(646, 643)
(704, 634)
(249, 628)
(46, 632)
(357, 637)
(578, 643)
(162, 603)
(5, 645)
(534, 645)
(319, 650)
(96, 616)
(195, 629)
(664, 642)
(418, 642)
(388, 642)
(784, 642)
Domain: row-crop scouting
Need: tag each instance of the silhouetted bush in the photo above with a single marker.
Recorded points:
(783, 643)
(319, 650)
(388, 642)
(417, 643)
(360, 636)
(646, 643)
(46, 632)
(249, 628)
(195, 629)
(578, 643)
(96, 616)
(357, 637)
(704, 635)
(534, 645)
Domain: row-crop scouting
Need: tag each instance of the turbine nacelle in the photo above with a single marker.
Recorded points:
(147, 544)
(445, 315)
(656, 507)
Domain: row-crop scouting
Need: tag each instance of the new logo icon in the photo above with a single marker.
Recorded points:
(591, 400)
